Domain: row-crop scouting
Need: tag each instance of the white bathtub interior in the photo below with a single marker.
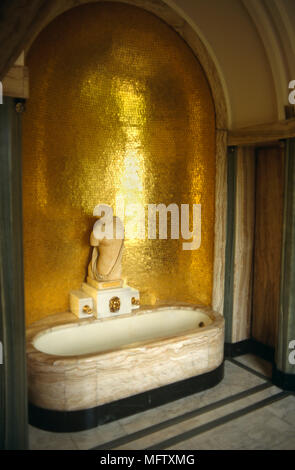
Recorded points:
(99, 336)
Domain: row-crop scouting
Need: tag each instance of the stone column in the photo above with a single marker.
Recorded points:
(230, 245)
(13, 378)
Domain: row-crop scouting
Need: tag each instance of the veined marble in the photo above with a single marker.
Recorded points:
(80, 381)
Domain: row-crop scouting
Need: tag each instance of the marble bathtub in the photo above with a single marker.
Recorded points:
(76, 365)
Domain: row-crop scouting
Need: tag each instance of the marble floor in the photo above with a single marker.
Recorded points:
(244, 411)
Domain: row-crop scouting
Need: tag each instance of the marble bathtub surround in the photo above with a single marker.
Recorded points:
(68, 383)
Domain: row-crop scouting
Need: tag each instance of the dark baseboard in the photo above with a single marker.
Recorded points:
(249, 346)
(263, 351)
(237, 349)
(72, 421)
(283, 380)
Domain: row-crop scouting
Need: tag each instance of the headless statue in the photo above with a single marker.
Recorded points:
(107, 240)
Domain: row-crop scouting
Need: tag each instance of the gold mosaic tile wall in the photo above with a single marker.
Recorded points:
(119, 108)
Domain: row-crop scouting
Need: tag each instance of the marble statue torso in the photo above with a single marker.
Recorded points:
(106, 261)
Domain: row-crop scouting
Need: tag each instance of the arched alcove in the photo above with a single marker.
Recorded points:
(121, 109)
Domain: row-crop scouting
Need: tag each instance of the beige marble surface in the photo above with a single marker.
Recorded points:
(79, 382)
(244, 243)
(220, 221)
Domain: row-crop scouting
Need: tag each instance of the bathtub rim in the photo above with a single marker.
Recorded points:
(37, 329)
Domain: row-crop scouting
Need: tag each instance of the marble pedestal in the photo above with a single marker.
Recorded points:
(102, 299)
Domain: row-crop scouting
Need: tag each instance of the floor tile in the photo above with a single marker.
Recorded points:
(93, 437)
(259, 430)
(157, 437)
(285, 410)
(256, 363)
(44, 440)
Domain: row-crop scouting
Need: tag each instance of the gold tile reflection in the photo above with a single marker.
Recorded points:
(119, 109)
